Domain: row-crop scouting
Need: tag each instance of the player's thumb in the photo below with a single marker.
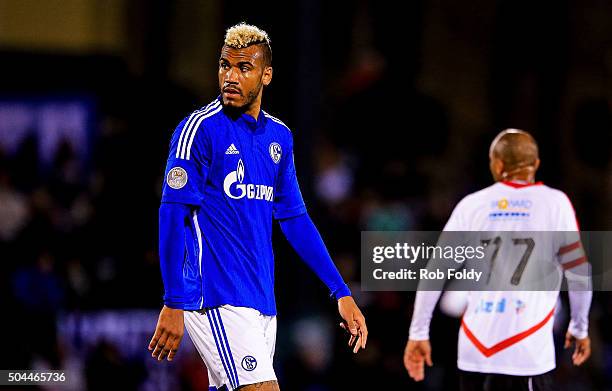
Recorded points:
(568, 341)
(428, 358)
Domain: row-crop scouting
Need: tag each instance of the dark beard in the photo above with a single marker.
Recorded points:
(251, 96)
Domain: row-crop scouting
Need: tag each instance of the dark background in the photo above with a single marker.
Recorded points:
(392, 107)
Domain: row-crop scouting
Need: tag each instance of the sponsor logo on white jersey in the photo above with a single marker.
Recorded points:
(510, 209)
(235, 188)
(491, 306)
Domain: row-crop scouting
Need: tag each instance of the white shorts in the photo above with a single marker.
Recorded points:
(236, 344)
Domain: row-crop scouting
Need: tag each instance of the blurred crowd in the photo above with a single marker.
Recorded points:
(79, 236)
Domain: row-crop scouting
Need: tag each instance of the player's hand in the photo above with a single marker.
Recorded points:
(354, 322)
(168, 334)
(415, 355)
(583, 348)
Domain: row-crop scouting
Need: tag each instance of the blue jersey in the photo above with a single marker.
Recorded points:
(239, 174)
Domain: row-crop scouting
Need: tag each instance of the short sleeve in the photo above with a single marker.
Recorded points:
(188, 164)
(570, 250)
(456, 220)
(567, 220)
(288, 201)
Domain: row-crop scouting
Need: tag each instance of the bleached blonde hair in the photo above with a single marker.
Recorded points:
(243, 35)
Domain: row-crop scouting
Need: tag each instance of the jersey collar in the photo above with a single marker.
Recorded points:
(520, 185)
(253, 124)
(256, 126)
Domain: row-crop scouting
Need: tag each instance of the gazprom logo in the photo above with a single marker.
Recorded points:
(240, 171)
(234, 187)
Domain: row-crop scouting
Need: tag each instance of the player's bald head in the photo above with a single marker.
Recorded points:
(517, 151)
(514, 147)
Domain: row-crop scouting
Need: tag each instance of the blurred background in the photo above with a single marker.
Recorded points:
(392, 108)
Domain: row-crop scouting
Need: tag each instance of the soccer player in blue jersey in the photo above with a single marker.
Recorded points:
(229, 174)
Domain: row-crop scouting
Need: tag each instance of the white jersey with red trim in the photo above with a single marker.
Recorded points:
(510, 332)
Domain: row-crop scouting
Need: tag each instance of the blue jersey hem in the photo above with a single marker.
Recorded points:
(263, 311)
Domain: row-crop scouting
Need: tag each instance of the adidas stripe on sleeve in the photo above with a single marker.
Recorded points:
(189, 159)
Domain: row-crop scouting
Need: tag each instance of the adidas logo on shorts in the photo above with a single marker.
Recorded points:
(232, 150)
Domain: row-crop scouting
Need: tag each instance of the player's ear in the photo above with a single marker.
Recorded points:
(497, 168)
(537, 164)
(266, 78)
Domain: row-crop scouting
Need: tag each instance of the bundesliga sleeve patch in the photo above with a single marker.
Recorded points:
(177, 178)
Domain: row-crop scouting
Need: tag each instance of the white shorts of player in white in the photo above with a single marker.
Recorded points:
(236, 344)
